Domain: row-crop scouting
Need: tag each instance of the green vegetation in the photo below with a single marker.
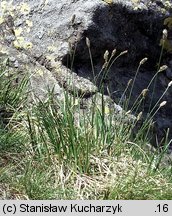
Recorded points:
(52, 150)
(48, 153)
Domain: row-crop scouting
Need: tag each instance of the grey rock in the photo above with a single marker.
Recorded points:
(10, 38)
(58, 36)
(16, 64)
(12, 59)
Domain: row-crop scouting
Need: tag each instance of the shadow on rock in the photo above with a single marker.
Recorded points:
(139, 32)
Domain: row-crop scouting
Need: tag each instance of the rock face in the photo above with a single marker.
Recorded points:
(59, 33)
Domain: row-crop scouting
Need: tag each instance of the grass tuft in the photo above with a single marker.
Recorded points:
(55, 150)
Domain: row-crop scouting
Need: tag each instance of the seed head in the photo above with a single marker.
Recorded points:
(164, 34)
(144, 92)
(162, 103)
(88, 42)
(162, 68)
(124, 52)
(129, 82)
(106, 55)
(169, 84)
(139, 116)
(128, 112)
(143, 61)
(113, 52)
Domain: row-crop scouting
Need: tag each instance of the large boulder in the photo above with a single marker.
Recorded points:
(56, 33)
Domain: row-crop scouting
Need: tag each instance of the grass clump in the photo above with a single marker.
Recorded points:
(56, 150)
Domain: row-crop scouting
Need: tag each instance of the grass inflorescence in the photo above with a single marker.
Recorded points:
(53, 150)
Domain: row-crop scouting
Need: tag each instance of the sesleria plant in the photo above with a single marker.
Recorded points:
(159, 67)
(147, 123)
(73, 153)
(9, 98)
(13, 96)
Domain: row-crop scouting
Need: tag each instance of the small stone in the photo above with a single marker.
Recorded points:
(12, 59)
(10, 38)
(16, 64)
